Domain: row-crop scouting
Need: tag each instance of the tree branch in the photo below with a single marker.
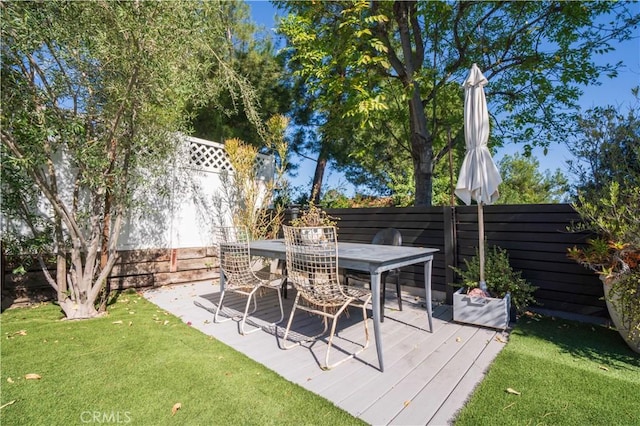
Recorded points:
(381, 30)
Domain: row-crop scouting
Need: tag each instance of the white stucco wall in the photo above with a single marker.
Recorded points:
(176, 208)
(187, 215)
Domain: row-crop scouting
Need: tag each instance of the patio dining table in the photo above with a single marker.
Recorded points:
(371, 258)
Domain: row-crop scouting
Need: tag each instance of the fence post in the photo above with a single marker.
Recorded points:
(450, 250)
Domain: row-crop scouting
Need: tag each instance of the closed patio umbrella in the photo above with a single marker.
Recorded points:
(479, 177)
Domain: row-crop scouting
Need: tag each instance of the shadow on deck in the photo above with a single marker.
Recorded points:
(427, 378)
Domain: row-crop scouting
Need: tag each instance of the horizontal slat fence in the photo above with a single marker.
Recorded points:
(537, 239)
(420, 227)
(133, 269)
(535, 236)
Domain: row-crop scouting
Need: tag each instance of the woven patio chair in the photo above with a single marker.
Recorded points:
(312, 268)
(240, 277)
(386, 236)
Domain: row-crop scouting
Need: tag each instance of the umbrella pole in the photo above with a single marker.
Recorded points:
(483, 285)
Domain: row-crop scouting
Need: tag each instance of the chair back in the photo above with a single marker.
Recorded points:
(388, 237)
(235, 257)
(312, 264)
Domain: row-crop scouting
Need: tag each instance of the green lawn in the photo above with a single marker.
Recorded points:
(567, 373)
(132, 367)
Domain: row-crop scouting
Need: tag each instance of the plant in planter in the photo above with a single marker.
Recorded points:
(614, 253)
(506, 288)
(314, 216)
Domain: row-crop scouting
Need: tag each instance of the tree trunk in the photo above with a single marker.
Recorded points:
(316, 187)
(422, 151)
(412, 47)
(82, 310)
(61, 274)
(104, 250)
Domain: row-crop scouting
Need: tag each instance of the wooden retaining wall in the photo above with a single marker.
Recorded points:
(535, 236)
(133, 269)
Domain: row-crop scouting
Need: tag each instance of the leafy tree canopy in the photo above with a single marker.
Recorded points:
(387, 74)
(607, 148)
(92, 95)
(523, 183)
(252, 55)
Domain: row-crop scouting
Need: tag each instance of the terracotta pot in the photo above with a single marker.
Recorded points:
(616, 318)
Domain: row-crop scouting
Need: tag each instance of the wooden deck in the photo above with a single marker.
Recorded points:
(427, 378)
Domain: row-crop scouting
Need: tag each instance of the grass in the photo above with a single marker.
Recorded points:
(133, 366)
(566, 373)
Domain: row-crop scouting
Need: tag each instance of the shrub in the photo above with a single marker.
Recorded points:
(499, 276)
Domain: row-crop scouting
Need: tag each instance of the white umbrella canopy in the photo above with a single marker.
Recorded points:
(479, 177)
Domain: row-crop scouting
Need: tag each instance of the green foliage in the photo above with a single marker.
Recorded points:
(93, 94)
(607, 149)
(253, 56)
(614, 219)
(523, 183)
(334, 199)
(314, 216)
(499, 276)
(250, 197)
(615, 251)
(608, 200)
(366, 96)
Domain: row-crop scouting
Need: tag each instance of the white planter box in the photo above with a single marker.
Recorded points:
(485, 311)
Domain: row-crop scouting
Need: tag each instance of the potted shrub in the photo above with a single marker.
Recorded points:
(614, 253)
(314, 216)
(506, 289)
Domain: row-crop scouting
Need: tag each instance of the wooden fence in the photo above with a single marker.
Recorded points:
(535, 236)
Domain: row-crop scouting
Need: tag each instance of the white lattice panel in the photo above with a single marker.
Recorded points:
(212, 157)
(208, 156)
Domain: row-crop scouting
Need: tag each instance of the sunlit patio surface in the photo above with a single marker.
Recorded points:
(427, 378)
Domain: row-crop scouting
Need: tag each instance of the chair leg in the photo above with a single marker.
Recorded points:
(286, 332)
(244, 318)
(218, 308)
(285, 281)
(251, 295)
(278, 290)
(333, 331)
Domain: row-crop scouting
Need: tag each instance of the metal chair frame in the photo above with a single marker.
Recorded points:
(237, 266)
(312, 268)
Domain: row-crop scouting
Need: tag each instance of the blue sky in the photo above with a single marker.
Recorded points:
(615, 91)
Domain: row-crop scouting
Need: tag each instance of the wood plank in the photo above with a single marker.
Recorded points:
(205, 262)
(125, 269)
(465, 387)
(397, 335)
(166, 278)
(393, 401)
(436, 392)
(409, 349)
(401, 362)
